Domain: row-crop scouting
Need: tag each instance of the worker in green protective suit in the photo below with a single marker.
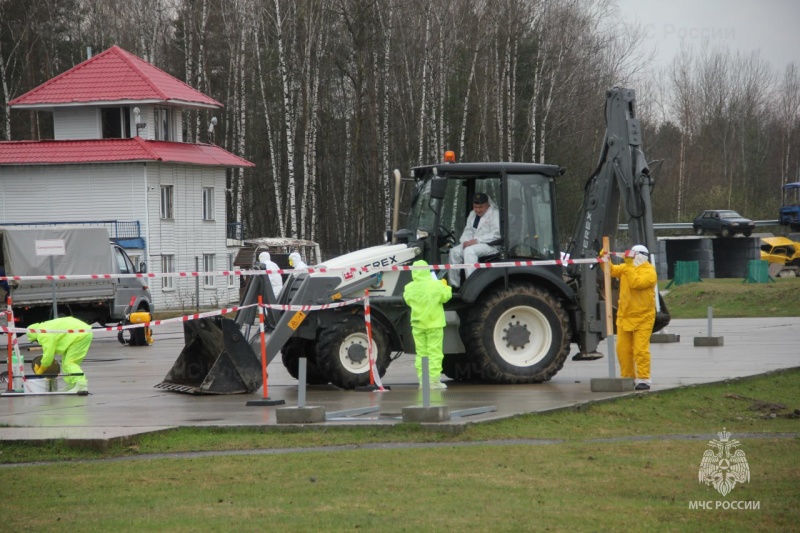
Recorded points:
(72, 346)
(426, 296)
(636, 314)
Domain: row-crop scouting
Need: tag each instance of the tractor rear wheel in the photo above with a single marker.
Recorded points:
(518, 335)
(342, 352)
(461, 367)
(291, 354)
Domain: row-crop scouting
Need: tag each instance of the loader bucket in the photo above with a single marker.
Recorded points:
(216, 359)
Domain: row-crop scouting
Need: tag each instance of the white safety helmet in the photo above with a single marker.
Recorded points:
(641, 249)
(263, 257)
(294, 257)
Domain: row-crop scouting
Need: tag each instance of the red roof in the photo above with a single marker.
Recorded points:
(115, 150)
(112, 76)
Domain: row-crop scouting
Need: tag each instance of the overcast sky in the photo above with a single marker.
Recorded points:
(771, 26)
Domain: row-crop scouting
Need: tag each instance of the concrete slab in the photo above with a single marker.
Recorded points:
(123, 401)
(662, 338)
(421, 415)
(709, 341)
(611, 384)
(300, 415)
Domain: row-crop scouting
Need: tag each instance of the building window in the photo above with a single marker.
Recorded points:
(167, 266)
(231, 267)
(163, 120)
(208, 203)
(208, 266)
(166, 201)
(116, 122)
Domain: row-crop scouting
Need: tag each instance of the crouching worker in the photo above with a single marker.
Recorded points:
(425, 295)
(72, 347)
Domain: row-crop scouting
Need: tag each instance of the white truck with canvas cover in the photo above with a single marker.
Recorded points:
(27, 251)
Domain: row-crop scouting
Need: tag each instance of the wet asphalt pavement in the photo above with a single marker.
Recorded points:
(124, 402)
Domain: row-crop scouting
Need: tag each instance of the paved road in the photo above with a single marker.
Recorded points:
(124, 401)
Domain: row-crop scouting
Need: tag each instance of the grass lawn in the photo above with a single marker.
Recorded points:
(731, 298)
(599, 475)
(628, 464)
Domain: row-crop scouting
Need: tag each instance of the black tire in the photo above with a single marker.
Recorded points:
(725, 232)
(518, 335)
(133, 336)
(461, 367)
(291, 354)
(698, 230)
(342, 352)
(747, 233)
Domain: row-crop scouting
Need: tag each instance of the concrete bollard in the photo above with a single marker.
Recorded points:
(300, 414)
(710, 340)
(426, 413)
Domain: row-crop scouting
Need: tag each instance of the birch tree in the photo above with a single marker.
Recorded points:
(288, 102)
(789, 119)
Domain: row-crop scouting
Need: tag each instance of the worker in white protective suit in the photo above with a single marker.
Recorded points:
(482, 228)
(265, 263)
(295, 261)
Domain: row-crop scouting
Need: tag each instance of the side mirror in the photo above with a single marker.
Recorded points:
(438, 188)
(143, 268)
(404, 236)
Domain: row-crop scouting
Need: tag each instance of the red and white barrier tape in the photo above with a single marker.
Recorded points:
(314, 270)
(186, 318)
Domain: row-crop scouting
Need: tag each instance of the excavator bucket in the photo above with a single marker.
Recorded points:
(216, 359)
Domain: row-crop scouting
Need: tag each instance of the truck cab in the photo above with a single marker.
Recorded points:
(790, 206)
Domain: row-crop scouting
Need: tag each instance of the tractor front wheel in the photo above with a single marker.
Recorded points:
(343, 356)
(291, 354)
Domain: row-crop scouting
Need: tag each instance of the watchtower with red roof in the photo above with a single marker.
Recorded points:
(118, 160)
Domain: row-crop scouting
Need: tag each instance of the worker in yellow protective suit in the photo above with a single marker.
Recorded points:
(72, 347)
(636, 314)
(426, 296)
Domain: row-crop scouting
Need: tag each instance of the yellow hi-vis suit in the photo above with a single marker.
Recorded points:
(425, 295)
(73, 347)
(636, 315)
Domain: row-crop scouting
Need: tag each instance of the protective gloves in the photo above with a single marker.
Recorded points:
(629, 255)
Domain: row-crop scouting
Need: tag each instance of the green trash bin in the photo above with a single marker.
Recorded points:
(685, 272)
(758, 272)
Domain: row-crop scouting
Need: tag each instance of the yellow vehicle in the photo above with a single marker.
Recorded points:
(783, 255)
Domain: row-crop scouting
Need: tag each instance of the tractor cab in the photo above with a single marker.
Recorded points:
(523, 194)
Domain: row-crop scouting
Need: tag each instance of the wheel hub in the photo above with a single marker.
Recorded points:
(517, 335)
(357, 353)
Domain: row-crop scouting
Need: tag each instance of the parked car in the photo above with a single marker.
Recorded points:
(722, 222)
(782, 254)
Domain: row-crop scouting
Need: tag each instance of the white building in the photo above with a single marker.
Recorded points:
(119, 160)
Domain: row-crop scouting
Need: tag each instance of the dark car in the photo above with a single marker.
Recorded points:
(723, 222)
